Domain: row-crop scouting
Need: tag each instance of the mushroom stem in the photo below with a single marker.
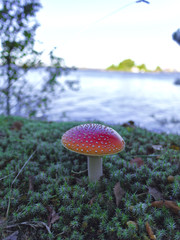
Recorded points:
(94, 168)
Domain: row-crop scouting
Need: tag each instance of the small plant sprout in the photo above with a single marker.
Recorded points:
(95, 141)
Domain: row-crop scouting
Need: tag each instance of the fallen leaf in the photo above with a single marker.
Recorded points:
(125, 125)
(131, 122)
(169, 204)
(155, 193)
(52, 217)
(144, 237)
(170, 179)
(13, 236)
(138, 161)
(84, 224)
(157, 147)
(92, 200)
(16, 126)
(118, 192)
(129, 125)
(149, 231)
(150, 150)
(175, 147)
(132, 223)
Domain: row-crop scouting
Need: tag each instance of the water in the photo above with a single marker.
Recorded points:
(151, 100)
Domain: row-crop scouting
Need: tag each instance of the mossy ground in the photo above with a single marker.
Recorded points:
(50, 196)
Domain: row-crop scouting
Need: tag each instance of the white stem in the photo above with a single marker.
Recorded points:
(94, 168)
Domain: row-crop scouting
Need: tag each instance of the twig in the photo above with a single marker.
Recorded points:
(23, 167)
(149, 155)
(142, 194)
(9, 200)
(31, 224)
(14, 235)
(7, 176)
(59, 234)
(78, 173)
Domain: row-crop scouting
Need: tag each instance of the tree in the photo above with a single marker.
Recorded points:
(158, 69)
(18, 26)
(142, 68)
(126, 65)
(112, 67)
(176, 36)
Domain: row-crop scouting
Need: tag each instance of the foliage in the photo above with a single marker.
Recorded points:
(158, 69)
(129, 65)
(142, 68)
(51, 198)
(17, 57)
(125, 65)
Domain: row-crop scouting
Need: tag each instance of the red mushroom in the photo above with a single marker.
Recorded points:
(95, 141)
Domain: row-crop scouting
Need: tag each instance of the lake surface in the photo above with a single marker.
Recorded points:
(151, 100)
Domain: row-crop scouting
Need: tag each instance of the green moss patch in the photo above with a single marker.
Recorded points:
(45, 192)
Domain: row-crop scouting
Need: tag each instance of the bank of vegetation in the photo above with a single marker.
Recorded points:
(129, 65)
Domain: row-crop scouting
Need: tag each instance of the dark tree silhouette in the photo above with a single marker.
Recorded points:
(176, 36)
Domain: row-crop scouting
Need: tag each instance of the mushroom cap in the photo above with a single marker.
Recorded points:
(93, 139)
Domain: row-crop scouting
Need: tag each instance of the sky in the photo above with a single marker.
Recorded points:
(99, 33)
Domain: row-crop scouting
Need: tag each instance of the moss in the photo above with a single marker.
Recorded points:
(57, 178)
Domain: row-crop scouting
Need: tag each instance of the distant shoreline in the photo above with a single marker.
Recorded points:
(118, 71)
